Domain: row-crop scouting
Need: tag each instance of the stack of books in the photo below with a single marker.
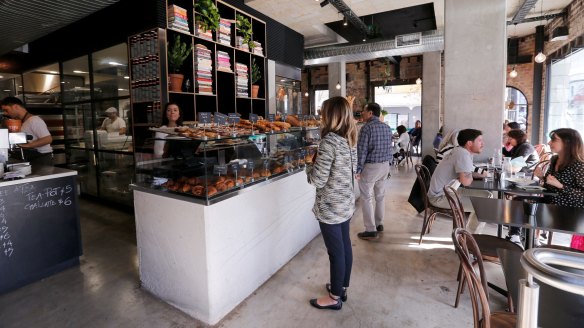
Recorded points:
(203, 68)
(199, 32)
(242, 80)
(240, 44)
(177, 19)
(223, 62)
(258, 50)
(224, 34)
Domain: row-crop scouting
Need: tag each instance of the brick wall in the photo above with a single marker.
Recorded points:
(524, 79)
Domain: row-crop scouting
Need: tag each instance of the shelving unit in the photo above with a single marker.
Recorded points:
(149, 84)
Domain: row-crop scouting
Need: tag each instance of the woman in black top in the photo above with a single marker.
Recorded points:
(566, 173)
(521, 148)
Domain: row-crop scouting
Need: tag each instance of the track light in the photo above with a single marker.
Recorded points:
(513, 73)
(324, 3)
(345, 22)
(540, 58)
(364, 38)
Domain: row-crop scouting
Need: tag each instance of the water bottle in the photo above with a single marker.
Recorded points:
(497, 158)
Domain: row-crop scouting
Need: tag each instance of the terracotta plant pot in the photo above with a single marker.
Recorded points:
(254, 91)
(176, 81)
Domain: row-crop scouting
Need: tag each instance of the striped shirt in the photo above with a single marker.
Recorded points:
(332, 175)
(374, 145)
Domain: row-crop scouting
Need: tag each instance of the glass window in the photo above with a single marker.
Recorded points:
(288, 96)
(76, 84)
(110, 72)
(79, 132)
(9, 85)
(566, 94)
(516, 107)
(319, 97)
(403, 103)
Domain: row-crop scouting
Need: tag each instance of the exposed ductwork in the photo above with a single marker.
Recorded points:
(431, 41)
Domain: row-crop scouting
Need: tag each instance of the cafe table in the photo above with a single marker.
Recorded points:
(513, 213)
(557, 308)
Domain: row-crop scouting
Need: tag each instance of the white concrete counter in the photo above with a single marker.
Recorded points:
(205, 260)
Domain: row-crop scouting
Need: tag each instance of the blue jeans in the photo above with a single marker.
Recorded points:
(338, 245)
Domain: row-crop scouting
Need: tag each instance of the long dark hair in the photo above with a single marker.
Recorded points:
(179, 122)
(572, 149)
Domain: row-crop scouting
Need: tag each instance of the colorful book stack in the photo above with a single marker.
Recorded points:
(239, 43)
(199, 32)
(223, 62)
(258, 50)
(242, 80)
(203, 68)
(224, 34)
(177, 19)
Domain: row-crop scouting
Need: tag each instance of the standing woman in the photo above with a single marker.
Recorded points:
(333, 176)
(566, 173)
(171, 118)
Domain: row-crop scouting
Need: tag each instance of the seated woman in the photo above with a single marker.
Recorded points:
(565, 175)
(521, 148)
(172, 118)
(401, 144)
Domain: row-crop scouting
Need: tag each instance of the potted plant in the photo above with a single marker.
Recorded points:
(256, 75)
(382, 115)
(207, 15)
(244, 27)
(177, 53)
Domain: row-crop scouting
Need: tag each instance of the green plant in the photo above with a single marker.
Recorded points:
(384, 112)
(207, 15)
(245, 29)
(177, 53)
(256, 73)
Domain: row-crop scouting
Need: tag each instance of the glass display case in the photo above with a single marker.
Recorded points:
(211, 165)
(288, 96)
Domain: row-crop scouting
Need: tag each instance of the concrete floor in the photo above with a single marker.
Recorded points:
(395, 282)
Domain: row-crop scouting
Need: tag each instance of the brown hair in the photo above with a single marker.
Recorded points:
(337, 117)
(572, 149)
(518, 135)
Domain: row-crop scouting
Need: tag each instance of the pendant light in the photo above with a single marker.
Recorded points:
(338, 86)
(306, 94)
(513, 73)
(419, 81)
(540, 57)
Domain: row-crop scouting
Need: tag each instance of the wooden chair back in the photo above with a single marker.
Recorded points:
(543, 165)
(456, 206)
(468, 251)
(424, 177)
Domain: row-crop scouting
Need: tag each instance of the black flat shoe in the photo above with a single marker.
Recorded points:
(336, 306)
(343, 297)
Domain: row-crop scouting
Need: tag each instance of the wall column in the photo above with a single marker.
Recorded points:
(337, 74)
(431, 99)
(475, 57)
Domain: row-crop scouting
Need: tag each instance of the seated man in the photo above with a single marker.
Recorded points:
(458, 165)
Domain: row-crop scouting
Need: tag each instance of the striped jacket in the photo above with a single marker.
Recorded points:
(332, 175)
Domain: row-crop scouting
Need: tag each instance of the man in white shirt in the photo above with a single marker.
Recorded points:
(113, 123)
(38, 150)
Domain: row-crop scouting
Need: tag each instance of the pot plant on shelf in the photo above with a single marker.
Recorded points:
(256, 75)
(245, 30)
(207, 15)
(177, 53)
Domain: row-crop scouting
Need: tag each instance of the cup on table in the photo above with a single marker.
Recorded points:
(490, 172)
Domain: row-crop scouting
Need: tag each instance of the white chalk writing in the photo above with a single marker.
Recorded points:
(49, 197)
(6, 245)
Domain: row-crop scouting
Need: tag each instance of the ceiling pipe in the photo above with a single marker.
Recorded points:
(523, 11)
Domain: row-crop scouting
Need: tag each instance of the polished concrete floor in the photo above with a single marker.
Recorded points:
(395, 282)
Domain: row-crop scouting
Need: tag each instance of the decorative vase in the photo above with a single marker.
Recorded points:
(254, 91)
(176, 81)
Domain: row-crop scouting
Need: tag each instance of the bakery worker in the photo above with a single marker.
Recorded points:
(113, 123)
(37, 151)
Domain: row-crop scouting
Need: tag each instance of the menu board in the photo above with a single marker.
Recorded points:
(39, 230)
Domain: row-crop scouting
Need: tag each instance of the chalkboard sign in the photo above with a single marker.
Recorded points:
(39, 230)
(253, 118)
(283, 117)
(204, 117)
(220, 169)
(235, 168)
(250, 164)
(220, 119)
(233, 118)
(271, 117)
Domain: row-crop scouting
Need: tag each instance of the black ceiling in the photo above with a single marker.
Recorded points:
(391, 23)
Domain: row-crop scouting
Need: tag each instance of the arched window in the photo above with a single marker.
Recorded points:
(516, 107)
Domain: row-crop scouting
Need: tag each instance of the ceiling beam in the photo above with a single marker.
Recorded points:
(537, 18)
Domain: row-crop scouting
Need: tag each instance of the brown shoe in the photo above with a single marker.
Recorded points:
(367, 235)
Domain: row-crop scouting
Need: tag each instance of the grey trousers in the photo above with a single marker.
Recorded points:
(372, 188)
(473, 225)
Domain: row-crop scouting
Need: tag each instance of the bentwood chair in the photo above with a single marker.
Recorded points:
(469, 253)
(487, 244)
(430, 211)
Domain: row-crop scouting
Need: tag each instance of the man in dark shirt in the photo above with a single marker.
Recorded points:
(374, 153)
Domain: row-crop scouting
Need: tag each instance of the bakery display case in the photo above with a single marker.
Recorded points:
(211, 163)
